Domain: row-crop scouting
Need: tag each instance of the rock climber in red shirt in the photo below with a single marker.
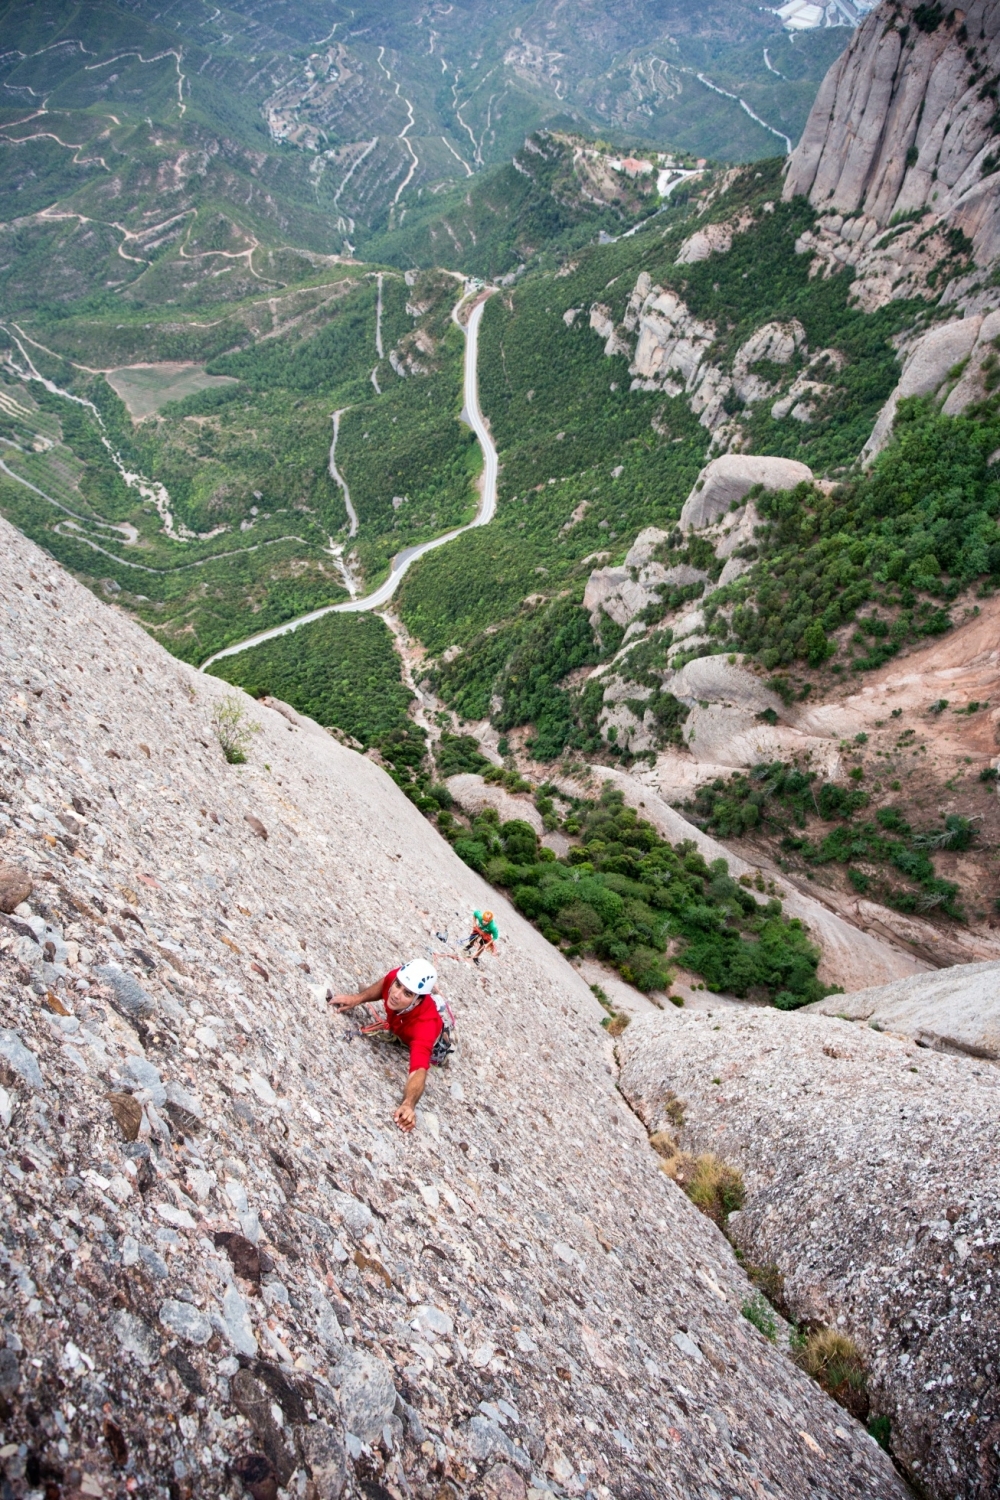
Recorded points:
(412, 1015)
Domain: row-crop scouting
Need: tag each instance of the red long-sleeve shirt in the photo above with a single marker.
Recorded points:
(419, 1027)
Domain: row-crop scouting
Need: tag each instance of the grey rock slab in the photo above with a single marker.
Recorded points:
(21, 1059)
(367, 1394)
(236, 1317)
(185, 1321)
(950, 1010)
(871, 1184)
(135, 1337)
(534, 1138)
(134, 1002)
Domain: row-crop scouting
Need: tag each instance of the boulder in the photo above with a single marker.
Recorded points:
(956, 1010)
(872, 1204)
(15, 886)
(727, 479)
(715, 679)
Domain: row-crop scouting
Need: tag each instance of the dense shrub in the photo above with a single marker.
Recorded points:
(905, 536)
(780, 800)
(625, 894)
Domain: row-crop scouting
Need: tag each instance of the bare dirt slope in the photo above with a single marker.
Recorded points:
(870, 1170)
(268, 1286)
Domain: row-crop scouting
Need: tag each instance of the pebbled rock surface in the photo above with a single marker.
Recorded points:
(870, 1171)
(513, 1299)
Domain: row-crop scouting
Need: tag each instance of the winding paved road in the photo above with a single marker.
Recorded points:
(405, 559)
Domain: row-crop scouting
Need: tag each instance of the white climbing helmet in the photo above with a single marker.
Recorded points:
(418, 976)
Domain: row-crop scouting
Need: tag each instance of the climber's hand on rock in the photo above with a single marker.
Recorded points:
(344, 1002)
(405, 1116)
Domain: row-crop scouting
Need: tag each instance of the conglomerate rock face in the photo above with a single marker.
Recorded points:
(872, 1187)
(224, 1271)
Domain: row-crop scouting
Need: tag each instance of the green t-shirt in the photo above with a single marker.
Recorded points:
(490, 926)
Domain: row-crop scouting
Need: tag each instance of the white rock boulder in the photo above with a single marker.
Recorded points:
(728, 479)
(925, 369)
(953, 1010)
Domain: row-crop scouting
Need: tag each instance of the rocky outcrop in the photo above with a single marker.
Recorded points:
(622, 593)
(872, 1203)
(925, 369)
(903, 124)
(714, 239)
(902, 121)
(948, 361)
(672, 343)
(224, 1268)
(954, 1010)
(728, 479)
(778, 344)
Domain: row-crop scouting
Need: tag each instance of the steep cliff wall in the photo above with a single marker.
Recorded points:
(905, 121)
(224, 1272)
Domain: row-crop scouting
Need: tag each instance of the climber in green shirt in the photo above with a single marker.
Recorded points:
(483, 936)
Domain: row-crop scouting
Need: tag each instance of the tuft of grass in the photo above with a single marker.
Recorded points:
(233, 730)
(834, 1360)
(758, 1311)
(713, 1186)
(616, 1024)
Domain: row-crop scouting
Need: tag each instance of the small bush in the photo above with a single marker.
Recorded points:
(758, 1312)
(880, 1428)
(616, 1024)
(770, 1282)
(233, 730)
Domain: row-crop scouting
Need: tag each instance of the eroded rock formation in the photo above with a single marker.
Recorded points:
(904, 128)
